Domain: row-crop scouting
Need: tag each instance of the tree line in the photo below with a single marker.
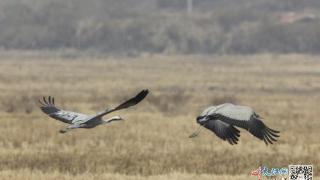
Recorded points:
(158, 26)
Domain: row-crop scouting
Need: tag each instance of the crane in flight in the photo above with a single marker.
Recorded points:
(78, 120)
(223, 120)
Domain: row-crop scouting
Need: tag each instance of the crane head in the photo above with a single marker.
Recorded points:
(201, 120)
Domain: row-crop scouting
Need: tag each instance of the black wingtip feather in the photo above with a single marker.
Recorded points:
(265, 141)
(49, 101)
(41, 103)
(270, 136)
(44, 100)
(233, 136)
(273, 134)
(235, 139)
(142, 94)
(135, 100)
(272, 130)
(230, 141)
(267, 138)
(261, 131)
(47, 106)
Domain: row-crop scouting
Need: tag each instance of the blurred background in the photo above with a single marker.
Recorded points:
(162, 26)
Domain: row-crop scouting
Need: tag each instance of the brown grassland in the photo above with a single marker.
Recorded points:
(152, 143)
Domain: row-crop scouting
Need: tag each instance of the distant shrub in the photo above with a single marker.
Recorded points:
(277, 38)
(15, 104)
(171, 102)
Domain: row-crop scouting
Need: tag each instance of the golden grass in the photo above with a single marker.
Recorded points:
(153, 143)
(30, 175)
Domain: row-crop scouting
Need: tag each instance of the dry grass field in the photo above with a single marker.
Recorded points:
(152, 143)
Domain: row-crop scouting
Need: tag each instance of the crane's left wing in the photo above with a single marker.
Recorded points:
(223, 130)
(47, 106)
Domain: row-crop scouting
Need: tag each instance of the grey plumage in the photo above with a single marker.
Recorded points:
(223, 120)
(78, 120)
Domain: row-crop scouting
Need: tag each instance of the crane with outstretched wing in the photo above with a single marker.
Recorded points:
(78, 120)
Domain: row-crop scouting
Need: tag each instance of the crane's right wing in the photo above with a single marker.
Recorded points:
(254, 125)
(47, 106)
(223, 130)
(257, 128)
(131, 102)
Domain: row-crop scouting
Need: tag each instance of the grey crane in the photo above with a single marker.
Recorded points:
(223, 120)
(78, 120)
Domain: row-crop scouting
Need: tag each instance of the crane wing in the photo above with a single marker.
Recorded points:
(254, 125)
(47, 106)
(257, 128)
(234, 111)
(223, 130)
(131, 102)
